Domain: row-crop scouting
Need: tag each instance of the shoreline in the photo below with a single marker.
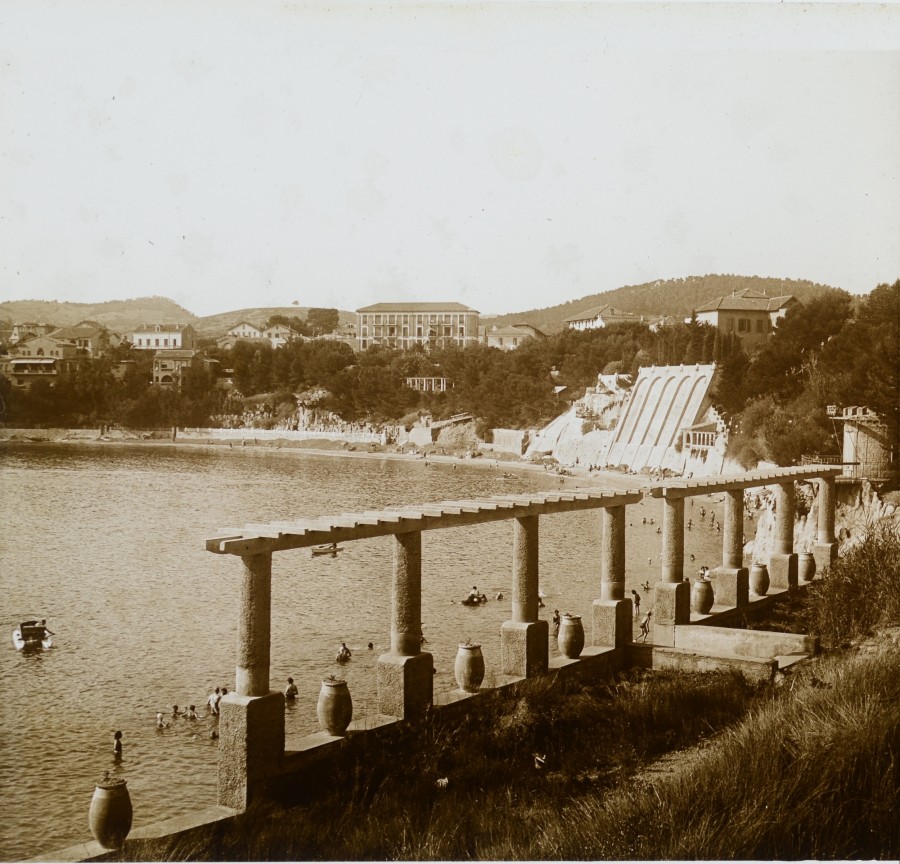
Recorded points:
(574, 476)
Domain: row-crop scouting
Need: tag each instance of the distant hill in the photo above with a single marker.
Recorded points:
(663, 297)
(120, 316)
(217, 325)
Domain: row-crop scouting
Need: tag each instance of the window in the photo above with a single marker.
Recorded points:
(157, 342)
(166, 343)
(760, 326)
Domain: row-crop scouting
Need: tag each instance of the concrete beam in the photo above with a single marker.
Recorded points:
(281, 536)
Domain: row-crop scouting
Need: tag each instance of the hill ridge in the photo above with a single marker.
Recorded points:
(677, 297)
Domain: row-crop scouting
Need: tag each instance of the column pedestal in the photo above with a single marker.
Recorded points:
(612, 623)
(251, 745)
(671, 606)
(731, 586)
(523, 648)
(825, 554)
(405, 684)
(783, 570)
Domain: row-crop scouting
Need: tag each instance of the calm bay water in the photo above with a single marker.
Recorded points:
(107, 543)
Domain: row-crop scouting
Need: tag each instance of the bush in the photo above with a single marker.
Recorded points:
(860, 592)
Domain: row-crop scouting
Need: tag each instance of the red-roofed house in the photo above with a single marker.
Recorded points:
(749, 314)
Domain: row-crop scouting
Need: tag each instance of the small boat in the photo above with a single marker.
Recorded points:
(31, 634)
(326, 549)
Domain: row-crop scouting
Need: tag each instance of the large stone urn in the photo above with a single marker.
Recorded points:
(571, 636)
(759, 580)
(806, 566)
(702, 596)
(110, 814)
(469, 666)
(335, 707)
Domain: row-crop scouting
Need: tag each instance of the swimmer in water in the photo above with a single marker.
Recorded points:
(160, 721)
(117, 745)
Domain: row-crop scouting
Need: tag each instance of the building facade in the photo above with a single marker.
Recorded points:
(156, 337)
(169, 366)
(45, 346)
(601, 316)
(23, 330)
(749, 314)
(89, 337)
(405, 325)
(511, 337)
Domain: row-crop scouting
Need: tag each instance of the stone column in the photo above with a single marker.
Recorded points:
(523, 640)
(612, 613)
(251, 721)
(783, 561)
(405, 675)
(526, 582)
(731, 581)
(826, 548)
(673, 594)
(673, 540)
(254, 627)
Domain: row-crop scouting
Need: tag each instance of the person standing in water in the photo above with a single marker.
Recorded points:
(117, 746)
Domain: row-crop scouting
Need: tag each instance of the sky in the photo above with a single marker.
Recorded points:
(237, 153)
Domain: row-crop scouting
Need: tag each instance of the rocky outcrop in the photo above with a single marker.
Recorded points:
(859, 509)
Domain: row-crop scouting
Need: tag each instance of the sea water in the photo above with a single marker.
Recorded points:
(107, 543)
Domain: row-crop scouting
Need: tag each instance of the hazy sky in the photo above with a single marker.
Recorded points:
(235, 153)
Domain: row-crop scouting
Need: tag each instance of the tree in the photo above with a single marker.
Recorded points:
(322, 321)
(802, 333)
(862, 360)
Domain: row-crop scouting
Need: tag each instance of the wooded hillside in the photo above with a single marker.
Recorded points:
(663, 297)
(118, 315)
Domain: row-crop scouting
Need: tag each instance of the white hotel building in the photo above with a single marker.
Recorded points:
(403, 325)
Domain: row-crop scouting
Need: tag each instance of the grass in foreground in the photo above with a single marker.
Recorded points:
(813, 772)
(382, 802)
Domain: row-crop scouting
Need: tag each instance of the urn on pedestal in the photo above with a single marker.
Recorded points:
(110, 813)
(335, 707)
(469, 666)
(806, 566)
(702, 596)
(759, 579)
(571, 636)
